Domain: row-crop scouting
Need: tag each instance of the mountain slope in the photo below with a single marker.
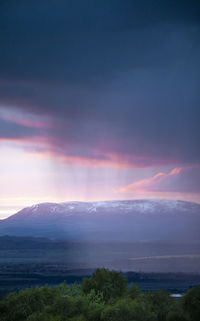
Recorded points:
(134, 220)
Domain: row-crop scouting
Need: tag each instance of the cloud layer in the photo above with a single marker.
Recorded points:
(178, 180)
(105, 83)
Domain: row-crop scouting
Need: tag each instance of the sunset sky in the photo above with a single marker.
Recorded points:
(99, 100)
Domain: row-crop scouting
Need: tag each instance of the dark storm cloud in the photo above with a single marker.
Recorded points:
(80, 41)
(118, 76)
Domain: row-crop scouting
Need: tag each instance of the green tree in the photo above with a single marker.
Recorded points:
(126, 309)
(19, 306)
(176, 312)
(161, 303)
(103, 297)
(134, 291)
(110, 283)
(191, 303)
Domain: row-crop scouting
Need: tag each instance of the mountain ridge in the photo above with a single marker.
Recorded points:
(131, 220)
(139, 204)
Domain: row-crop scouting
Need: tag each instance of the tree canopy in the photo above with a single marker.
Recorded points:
(103, 297)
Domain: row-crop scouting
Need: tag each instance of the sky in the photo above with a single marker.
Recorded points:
(99, 100)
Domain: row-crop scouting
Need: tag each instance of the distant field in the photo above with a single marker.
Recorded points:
(146, 257)
(26, 262)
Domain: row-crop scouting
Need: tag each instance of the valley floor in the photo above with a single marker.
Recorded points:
(14, 277)
(27, 262)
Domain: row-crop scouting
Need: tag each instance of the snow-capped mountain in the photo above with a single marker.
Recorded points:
(128, 220)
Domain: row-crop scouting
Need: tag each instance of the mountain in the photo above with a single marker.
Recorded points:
(129, 221)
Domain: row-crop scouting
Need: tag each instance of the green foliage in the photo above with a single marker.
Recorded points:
(126, 309)
(176, 312)
(18, 307)
(161, 303)
(77, 318)
(191, 303)
(176, 316)
(103, 297)
(110, 283)
(43, 316)
(134, 291)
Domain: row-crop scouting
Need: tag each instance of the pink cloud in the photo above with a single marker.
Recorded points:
(71, 154)
(38, 134)
(178, 180)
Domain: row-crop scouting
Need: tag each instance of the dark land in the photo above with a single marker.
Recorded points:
(27, 262)
(103, 296)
